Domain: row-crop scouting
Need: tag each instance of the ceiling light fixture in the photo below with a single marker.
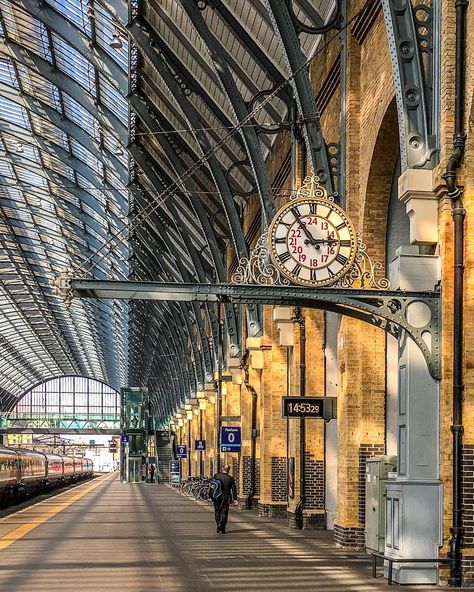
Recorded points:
(116, 42)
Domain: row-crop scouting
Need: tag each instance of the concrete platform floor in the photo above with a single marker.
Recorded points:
(112, 537)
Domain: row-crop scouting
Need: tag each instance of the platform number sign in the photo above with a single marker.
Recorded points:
(231, 439)
(181, 451)
(200, 445)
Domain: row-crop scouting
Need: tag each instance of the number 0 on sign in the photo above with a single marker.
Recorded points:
(230, 439)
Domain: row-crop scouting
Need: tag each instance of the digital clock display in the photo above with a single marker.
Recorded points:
(302, 407)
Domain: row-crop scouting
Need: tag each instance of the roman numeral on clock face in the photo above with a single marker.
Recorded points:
(342, 259)
(284, 256)
(345, 243)
(341, 225)
(313, 208)
(313, 275)
(281, 240)
(296, 269)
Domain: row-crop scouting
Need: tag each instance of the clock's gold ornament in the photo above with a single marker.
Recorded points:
(312, 240)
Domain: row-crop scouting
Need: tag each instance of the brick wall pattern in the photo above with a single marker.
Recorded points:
(314, 483)
(246, 473)
(279, 483)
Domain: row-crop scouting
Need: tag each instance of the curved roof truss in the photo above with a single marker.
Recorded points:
(131, 137)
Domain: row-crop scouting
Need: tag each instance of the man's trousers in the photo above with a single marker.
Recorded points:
(221, 513)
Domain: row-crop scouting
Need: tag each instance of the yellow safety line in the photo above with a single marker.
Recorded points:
(21, 531)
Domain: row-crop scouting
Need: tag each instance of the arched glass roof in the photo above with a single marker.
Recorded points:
(132, 136)
(63, 173)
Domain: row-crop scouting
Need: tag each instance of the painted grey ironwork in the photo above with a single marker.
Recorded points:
(240, 110)
(316, 149)
(383, 308)
(415, 86)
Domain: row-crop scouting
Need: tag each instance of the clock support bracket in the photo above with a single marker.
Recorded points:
(417, 313)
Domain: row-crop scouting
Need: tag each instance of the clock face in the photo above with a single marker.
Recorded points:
(312, 242)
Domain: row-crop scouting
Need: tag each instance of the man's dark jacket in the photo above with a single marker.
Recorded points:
(229, 490)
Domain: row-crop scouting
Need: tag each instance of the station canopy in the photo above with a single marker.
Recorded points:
(131, 137)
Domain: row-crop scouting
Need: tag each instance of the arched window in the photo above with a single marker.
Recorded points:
(67, 402)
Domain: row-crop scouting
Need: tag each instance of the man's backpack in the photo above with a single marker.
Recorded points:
(215, 490)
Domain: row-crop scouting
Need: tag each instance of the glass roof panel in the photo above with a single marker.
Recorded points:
(36, 86)
(26, 30)
(13, 113)
(106, 32)
(113, 100)
(75, 11)
(87, 157)
(80, 116)
(7, 73)
(44, 128)
(74, 64)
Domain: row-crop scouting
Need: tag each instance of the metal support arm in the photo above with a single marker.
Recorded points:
(389, 310)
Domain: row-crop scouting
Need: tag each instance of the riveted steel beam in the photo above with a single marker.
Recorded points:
(167, 105)
(257, 53)
(241, 112)
(417, 128)
(296, 64)
(205, 345)
(187, 78)
(196, 258)
(389, 310)
(144, 109)
(145, 161)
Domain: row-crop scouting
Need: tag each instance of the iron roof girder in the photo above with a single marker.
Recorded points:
(229, 87)
(296, 63)
(385, 309)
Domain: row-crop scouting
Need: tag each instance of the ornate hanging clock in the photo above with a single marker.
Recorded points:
(312, 241)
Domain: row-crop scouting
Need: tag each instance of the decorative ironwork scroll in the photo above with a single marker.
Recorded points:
(259, 269)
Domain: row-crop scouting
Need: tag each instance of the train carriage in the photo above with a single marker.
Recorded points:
(55, 470)
(9, 466)
(32, 470)
(68, 469)
(77, 468)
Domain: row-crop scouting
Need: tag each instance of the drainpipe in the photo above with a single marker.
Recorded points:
(201, 454)
(458, 212)
(220, 357)
(300, 506)
(253, 435)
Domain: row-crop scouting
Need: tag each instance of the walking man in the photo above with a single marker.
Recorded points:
(151, 470)
(228, 496)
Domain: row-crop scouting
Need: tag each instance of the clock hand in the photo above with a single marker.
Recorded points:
(310, 237)
(329, 241)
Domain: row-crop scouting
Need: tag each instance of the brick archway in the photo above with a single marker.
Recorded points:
(379, 183)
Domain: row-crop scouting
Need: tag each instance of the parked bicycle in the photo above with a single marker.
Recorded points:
(196, 487)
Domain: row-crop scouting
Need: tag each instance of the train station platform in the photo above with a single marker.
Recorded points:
(113, 537)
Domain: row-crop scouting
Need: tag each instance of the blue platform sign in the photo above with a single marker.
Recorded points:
(174, 466)
(181, 451)
(125, 440)
(231, 439)
(200, 445)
